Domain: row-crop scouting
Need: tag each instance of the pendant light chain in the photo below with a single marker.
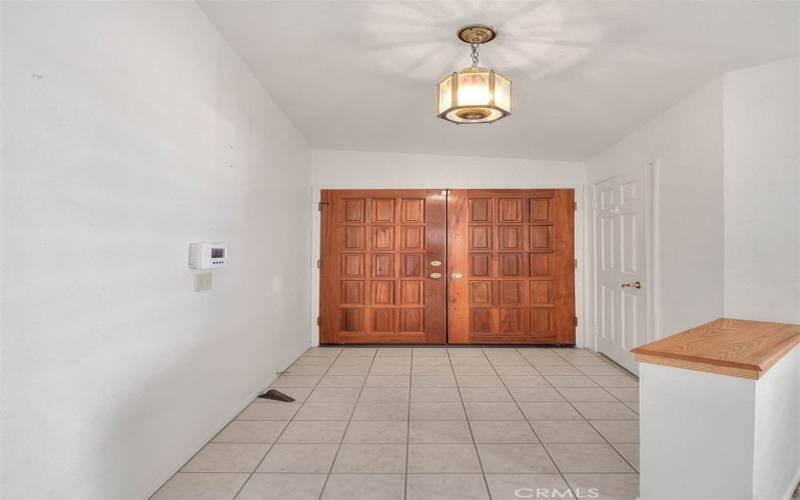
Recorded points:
(475, 94)
(474, 54)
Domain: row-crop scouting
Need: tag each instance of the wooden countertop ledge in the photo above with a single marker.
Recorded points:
(735, 347)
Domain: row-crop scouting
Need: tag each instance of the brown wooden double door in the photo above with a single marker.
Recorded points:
(455, 266)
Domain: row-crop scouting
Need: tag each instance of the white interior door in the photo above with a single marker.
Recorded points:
(621, 218)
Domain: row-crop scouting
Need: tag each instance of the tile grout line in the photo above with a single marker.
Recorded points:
(287, 473)
(421, 442)
(408, 423)
(469, 423)
(635, 469)
(525, 418)
(495, 369)
(272, 445)
(347, 426)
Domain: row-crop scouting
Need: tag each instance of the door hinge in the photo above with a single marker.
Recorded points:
(576, 321)
(576, 263)
(319, 322)
(575, 205)
(320, 204)
(319, 263)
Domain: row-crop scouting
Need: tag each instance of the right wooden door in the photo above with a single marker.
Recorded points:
(511, 267)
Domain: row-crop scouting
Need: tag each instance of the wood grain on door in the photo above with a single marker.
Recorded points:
(378, 267)
(511, 266)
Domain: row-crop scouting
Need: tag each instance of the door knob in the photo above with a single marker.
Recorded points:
(435, 276)
(456, 275)
(635, 284)
(436, 263)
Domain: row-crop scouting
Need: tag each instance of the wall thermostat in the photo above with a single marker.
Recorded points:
(207, 255)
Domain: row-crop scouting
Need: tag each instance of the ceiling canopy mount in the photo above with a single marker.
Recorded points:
(477, 33)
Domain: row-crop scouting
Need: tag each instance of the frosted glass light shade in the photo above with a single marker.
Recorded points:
(474, 95)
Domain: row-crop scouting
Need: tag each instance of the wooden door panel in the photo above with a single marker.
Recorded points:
(377, 246)
(515, 250)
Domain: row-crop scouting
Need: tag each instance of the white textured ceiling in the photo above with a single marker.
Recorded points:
(360, 75)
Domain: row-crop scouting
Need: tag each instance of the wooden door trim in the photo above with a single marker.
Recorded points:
(457, 254)
(436, 250)
(328, 308)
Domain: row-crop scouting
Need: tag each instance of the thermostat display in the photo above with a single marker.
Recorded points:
(207, 255)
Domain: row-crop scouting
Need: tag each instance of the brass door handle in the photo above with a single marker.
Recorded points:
(435, 276)
(635, 284)
(456, 275)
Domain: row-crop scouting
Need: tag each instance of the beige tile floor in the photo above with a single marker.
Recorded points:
(429, 423)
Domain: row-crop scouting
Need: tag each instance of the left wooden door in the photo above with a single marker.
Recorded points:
(382, 266)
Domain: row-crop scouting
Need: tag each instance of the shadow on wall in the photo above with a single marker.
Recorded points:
(418, 39)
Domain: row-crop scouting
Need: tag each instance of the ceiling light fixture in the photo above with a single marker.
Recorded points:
(474, 94)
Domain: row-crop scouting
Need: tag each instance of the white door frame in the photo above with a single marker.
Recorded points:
(651, 252)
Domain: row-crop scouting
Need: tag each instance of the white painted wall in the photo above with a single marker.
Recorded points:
(712, 436)
(727, 243)
(727, 212)
(762, 181)
(696, 434)
(364, 170)
(686, 142)
(776, 451)
(136, 129)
